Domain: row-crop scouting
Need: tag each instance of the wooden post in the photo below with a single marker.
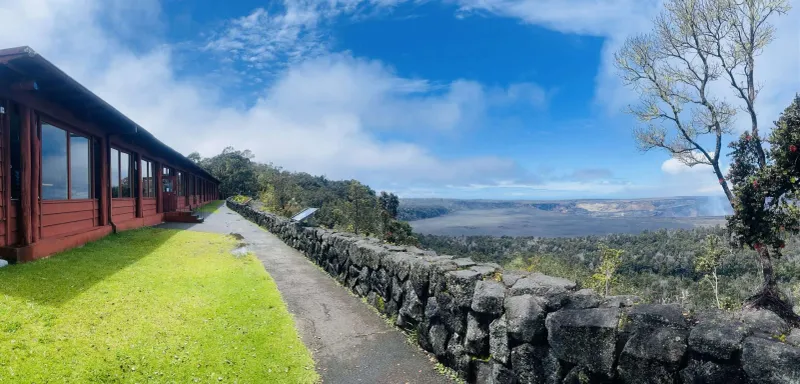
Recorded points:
(25, 228)
(36, 176)
(138, 185)
(159, 192)
(5, 125)
(104, 176)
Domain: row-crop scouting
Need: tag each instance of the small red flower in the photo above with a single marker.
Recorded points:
(755, 183)
(792, 148)
(747, 137)
(757, 246)
(783, 245)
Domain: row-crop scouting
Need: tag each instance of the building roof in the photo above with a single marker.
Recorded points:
(53, 84)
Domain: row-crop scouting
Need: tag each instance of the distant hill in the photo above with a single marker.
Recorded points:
(555, 218)
(689, 206)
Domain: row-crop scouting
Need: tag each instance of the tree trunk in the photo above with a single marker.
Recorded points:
(769, 296)
(724, 184)
(716, 288)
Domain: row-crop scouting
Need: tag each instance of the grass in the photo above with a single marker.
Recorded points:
(210, 207)
(149, 305)
(241, 199)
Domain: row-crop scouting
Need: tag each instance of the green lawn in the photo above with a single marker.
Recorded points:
(211, 207)
(148, 305)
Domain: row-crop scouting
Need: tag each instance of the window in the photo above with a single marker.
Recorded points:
(79, 169)
(148, 179)
(121, 174)
(166, 180)
(66, 165)
(16, 158)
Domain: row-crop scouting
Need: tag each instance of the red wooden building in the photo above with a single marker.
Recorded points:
(74, 169)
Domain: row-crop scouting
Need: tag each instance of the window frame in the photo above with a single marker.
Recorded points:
(149, 169)
(68, 129)
(131, 172)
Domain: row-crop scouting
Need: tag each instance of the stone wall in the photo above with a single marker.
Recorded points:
(496, 326)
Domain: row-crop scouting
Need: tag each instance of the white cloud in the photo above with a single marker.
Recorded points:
(777, 69)
(674, 166)
(265, 40)
(319, 116)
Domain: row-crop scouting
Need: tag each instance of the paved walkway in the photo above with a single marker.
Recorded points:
(349, 341)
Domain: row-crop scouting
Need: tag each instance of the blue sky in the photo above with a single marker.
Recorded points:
(509, 99)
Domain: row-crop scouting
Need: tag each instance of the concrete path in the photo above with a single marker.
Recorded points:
(349, 341)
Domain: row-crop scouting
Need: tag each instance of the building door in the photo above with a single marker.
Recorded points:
(170, 198)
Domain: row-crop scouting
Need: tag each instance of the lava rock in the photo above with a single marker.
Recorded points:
(488, 297)
(652, 356)
(498, 340)
(535, 364)
(432, 309)
(397, 290)
(586, 337)
(764, 323)
(655, 316)
(461, 285)
(412, 305)
(477, 339)
(583, 299)
(709, 372)
(464, 262)
(511, 277)
(437, 283)
(794, 337)
(457, 358)
(541, 285)
(419, 276)
(525, 317)
(438, 339)
(718, 340)
(453, 316)
(493, 373)
(485, 270)
(767, 362)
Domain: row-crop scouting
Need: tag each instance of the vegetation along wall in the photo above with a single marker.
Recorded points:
(495, 326)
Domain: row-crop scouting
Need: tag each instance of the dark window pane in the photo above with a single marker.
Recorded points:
(115, 173)
(125, 174)
(54, 163)
(145, 169)
(179, 184)
(79, 167)
(148, 179)
(16, 170)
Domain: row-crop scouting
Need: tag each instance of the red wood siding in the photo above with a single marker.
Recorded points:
(60, 217)
(123, 209)
(13, 212)
(149, 206)
(3, 134)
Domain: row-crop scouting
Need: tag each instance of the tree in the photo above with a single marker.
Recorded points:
(389, 203)
(362, 204)
(766, 211)
(708, 261)
(695, 46)
(235, 170)
(604, 276)
(195, 157)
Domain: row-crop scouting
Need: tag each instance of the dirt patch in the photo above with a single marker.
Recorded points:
(236, 236)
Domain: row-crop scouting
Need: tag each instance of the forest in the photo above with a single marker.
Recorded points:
(658, 266)
(345, 205)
